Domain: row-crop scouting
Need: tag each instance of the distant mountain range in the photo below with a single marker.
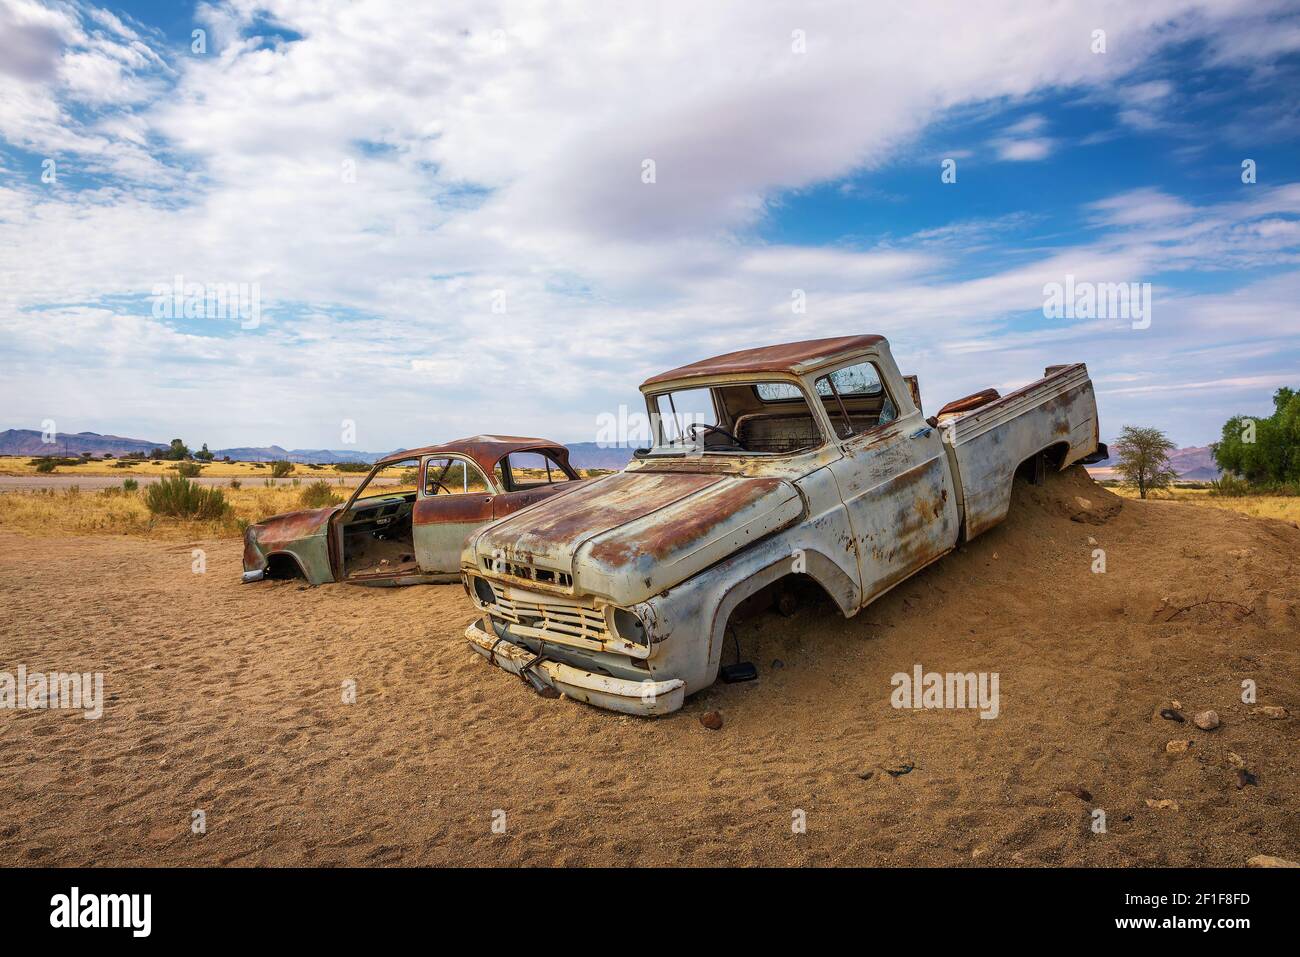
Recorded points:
(1193, 464)
(583, 455)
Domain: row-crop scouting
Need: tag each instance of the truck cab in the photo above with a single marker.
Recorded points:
(808, 459)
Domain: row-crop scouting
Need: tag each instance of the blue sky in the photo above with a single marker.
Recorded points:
(444, 213)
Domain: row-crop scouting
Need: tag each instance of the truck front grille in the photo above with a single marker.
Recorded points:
(549, 615)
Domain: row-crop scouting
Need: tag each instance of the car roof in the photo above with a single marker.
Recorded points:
(485, 450)
(792, 357)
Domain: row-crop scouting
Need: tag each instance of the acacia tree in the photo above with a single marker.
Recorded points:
(1144, 458)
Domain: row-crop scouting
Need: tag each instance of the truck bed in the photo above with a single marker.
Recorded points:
(987, 443)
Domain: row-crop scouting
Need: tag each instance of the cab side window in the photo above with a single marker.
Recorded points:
(856, 399)
(532, 470)
(450, 476)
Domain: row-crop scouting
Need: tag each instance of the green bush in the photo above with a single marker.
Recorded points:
(234, 483)
(318, 495)
(351, 467)
(45, 466)
(1263, 451)
(281, 468)
(188, 469)
(179, 497)
(130, 485)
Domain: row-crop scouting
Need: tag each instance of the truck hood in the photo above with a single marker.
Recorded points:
(633, 534)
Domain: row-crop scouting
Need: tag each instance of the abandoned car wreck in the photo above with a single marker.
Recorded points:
(410, 530)
(810, 460)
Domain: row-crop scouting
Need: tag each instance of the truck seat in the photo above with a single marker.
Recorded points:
(969, 402)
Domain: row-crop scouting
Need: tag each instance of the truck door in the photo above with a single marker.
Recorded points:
(894, 477)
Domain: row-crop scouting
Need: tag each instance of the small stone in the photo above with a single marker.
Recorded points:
(1091, 540)
(777, 663)
(1177, 747)
(1172, 714)
(1271, 711)
(1236, 760)
(1245, 778)
(1177, 704)
(867, 775)
(1267, 860)
(1080, 792)
(711, 720)
(1163, 804)
(1207, 720)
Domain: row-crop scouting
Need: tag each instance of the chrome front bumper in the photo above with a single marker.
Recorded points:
(645, 698)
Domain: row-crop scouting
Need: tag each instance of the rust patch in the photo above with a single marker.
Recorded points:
(488, 450)
(598, 506)
(452, 509)
(973, 401)
(685, 522)
(785, 357)
(292, 526)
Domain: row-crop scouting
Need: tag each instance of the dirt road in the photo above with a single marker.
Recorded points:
(228, 699)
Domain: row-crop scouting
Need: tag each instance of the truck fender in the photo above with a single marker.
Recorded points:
(839, 586)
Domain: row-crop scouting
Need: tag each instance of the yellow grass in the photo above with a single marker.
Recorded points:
(20, 465)
(114, 512)
(1283, 507)
(117, 512)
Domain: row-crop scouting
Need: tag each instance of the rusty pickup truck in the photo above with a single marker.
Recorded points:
(809, 459)
(410, 530)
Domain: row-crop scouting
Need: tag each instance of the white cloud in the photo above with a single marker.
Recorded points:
(512, 161)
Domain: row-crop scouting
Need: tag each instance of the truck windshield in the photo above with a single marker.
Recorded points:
(733, 419)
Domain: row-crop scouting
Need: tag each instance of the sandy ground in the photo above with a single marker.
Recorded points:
(227, 699)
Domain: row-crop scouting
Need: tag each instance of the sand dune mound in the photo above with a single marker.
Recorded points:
(1072, 494)
(231, 703)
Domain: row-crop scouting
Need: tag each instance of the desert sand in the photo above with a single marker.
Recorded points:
(228, 698)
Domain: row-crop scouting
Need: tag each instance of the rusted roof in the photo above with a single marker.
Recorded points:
(796, 357)
(485, 450)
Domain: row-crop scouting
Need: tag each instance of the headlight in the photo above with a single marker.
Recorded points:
(483, 591)
(628, 626)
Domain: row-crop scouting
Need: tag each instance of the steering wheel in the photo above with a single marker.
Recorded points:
(691, 430)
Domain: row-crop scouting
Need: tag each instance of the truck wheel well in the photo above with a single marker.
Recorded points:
(1052, 457)
(282, 565)
(797, 589)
